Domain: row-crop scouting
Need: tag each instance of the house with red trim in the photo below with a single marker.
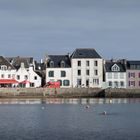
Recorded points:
(7, 73)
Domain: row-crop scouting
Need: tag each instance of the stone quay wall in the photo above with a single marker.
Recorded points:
(69, 93)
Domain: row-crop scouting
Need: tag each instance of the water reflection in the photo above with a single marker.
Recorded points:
(83, 101)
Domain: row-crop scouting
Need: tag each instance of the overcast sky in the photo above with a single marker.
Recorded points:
(36, 27)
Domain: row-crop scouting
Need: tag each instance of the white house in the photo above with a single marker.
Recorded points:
(115, 74)
(87, 68)
(7, 73)
(27, 78)
(58, 68)
(34, 78)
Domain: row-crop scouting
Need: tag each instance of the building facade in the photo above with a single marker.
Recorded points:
(7, 73)
(133, 74)
(87, 68)
(115, 74)
(58, 68)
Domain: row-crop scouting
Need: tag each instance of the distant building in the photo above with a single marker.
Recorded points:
(58, 68)
(133, 74)
(115, 74)
(25, 74)
(7, 73)
(87, 68)
(16, 62)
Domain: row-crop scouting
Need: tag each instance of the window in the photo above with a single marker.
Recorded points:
(51, 74)
(96, 63)
(63, 74)
(35, 77)
(87, 72)
(110, 84)
(109, 75)
(66, 82)
(131, 75)
(115, 75)
(79, 72)
(115, 67)
(18, 77)
(79, 82)
(9, 75)
(87, 82)
(96, 72)
(32, 84)
(139, 75)
(122, 84)
(96, 81)
(62, 64)
(60, 82)
(121, 75)
(87, 63)
(79, 63)
(51, 64)
(131, 83)
(116, 84)
(3, 67)
(26, 77)
(2, 75)
(13, 76)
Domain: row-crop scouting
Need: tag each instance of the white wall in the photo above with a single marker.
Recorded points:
(32, 75)
(83, 69)
(113, 79)
(57, 75)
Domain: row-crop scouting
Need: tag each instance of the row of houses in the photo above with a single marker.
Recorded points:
(83, 68)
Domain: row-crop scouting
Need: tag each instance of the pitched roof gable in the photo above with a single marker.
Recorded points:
(110, 65)
(85, 53)
(16, 61)
(4, 61)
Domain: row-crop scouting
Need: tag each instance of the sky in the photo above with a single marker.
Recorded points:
(39, 27)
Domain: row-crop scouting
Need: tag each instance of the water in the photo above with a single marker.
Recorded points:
(59, 119)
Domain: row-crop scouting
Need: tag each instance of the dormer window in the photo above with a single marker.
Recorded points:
(115, 67)
(62, 64)
(51, 64)
(3, 67)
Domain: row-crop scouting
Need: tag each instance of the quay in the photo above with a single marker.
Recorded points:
(68, 93)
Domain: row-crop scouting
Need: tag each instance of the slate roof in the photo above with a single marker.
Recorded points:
(108, 66)
(85, 53)
(135, 65)
(4, 61)
(57, 59)
(16, 61)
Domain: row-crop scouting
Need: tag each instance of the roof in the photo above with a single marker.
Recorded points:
(4, 61)
(57, 59)
(85, 53)
(16, 61)
(135, 65)
(108, 66)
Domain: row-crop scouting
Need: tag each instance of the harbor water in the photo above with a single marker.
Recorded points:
(70, 119)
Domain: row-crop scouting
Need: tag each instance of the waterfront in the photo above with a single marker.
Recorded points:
(68, 119)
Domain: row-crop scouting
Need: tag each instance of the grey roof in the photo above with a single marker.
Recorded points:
(16, 61)
(108, 66)
(4, 61)
(57, 59)
(133, 64)
(85, 53)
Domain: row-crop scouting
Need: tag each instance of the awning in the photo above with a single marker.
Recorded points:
(25, 82)
(8, 81)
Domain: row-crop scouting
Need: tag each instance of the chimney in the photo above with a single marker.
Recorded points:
(22, 65)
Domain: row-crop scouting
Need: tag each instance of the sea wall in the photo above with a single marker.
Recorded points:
(69, 92)
(50, 92)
